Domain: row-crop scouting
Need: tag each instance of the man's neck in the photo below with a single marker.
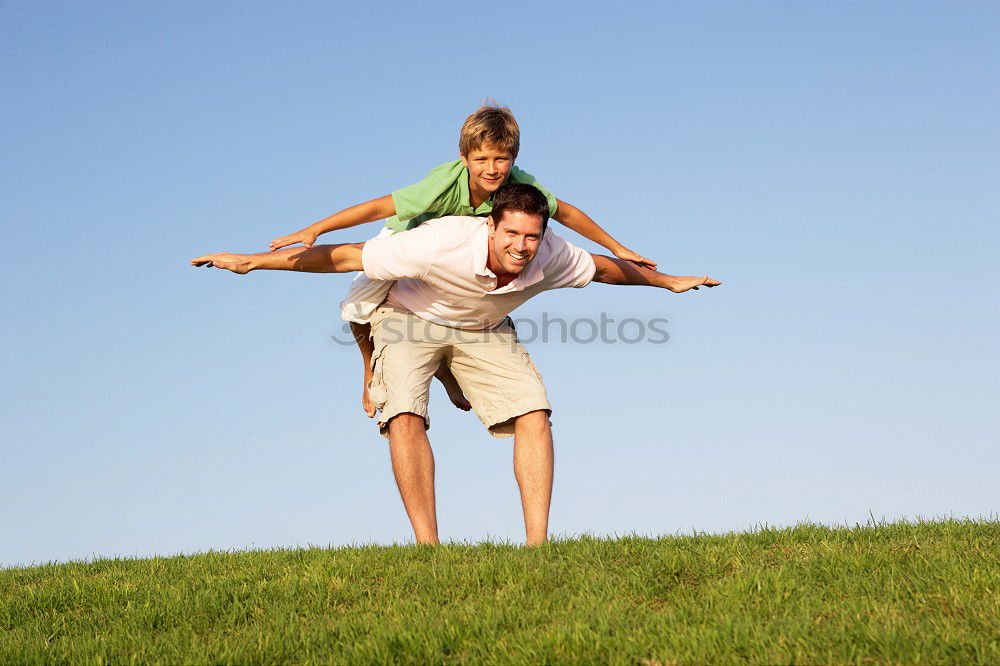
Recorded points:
(493, 263)
(504, 279)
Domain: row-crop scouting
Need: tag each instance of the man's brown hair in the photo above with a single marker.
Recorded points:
(520, 198)
(491, 125)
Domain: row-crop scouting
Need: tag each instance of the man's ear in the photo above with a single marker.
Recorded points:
(465, 159)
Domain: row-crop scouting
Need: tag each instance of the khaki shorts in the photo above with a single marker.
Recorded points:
(492, 367)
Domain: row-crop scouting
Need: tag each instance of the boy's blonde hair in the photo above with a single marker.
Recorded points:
(491, 125)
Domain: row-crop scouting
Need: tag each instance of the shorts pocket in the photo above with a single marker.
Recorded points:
(378, 392)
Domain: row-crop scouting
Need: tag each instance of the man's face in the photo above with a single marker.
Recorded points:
(513, 241)
(488, 168)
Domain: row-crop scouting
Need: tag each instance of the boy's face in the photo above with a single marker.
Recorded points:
(488, 168)
(513, 241)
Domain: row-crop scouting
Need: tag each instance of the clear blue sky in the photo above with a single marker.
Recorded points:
(834, 163)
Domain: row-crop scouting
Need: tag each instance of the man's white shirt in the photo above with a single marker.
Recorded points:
(441, 275)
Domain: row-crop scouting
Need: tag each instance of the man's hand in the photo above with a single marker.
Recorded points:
(679, 283)
(237, 263)
(628, 255)
(306, 237)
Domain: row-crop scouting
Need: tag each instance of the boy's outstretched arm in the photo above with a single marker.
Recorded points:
(617, 271)
(320, 259)
(369, 211)
(580, 222)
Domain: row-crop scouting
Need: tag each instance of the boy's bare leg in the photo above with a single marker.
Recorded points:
(413, 467)
(362, 335)
(455, 393)
(533, 462)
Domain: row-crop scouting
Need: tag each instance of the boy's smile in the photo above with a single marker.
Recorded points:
(488, 169)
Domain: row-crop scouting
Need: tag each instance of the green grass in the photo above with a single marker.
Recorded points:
(926, 592)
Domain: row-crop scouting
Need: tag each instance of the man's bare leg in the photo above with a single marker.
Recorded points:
(413, 467)
(362, 335)
(533, 461)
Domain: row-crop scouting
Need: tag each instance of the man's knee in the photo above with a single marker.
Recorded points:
(537, 421)
(406, 425)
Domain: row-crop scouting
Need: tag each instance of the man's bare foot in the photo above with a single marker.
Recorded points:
(366, 401)
(455, 393)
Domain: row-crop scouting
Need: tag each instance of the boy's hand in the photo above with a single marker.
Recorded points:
(628, 255)
(305, 237)
(237, 263)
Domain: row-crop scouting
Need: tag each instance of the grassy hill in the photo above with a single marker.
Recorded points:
(925, 592)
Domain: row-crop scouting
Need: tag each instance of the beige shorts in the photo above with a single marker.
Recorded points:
(492, 367)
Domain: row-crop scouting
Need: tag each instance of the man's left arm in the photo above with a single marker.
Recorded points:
(404, 255)
(344, 258)
(617, 271)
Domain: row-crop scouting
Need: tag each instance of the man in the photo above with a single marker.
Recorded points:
(457, 279)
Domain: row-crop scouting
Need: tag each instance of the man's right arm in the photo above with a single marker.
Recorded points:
(344, 258)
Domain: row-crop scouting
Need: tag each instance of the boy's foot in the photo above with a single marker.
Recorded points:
(458, 398)
(366, 401)
(455, 393)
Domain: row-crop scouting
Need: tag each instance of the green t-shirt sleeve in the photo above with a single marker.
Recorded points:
(435, 194)
(518, 175)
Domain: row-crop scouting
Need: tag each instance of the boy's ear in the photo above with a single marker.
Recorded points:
(464, 158)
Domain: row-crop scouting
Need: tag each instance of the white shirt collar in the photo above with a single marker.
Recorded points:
(481, 252)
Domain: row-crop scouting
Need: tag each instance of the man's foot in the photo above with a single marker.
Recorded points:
(455, 393)
(366, 401)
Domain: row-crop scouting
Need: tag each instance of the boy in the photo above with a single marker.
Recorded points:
(488, 145)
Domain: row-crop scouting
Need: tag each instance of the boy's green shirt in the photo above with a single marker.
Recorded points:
(445, 191)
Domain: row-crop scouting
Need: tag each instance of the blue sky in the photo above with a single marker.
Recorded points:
(834, 163)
